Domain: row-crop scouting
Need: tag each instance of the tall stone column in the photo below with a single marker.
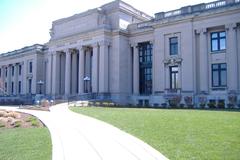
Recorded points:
(9, 84)
(16, 79)
(24, 77)
(232, 70)
(95, 69)
(135, 70)
(74, 73)
(81, 70)
(54, 73)
(49, 74)
(104, 67)
(67, 72)
(203, 60)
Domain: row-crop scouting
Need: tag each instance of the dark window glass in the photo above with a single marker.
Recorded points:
(173, 45)
(174, 77)
(6, 70)
(219, 75)
(30, 86)
(5, 86)
(19, 69)
(19, 87)
(12, 70)
(12, 87)
(218, 41)
(0, 72)
(145, 68)
(30, 67)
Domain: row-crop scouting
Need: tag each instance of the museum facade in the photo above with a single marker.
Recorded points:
(115, 52)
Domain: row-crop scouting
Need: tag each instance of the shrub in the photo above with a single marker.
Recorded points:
(14, 114)
(182, 105)
(164, 105)
(202, 101)
(17, 124)
(221, 104)
(202, 105)
(212, 104)
(3, 114)
(188, 100)
(175, 101)
(2, 125)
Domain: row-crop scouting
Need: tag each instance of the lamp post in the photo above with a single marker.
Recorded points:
(40, 83)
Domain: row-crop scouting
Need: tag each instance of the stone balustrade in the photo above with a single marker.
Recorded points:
(196, 8)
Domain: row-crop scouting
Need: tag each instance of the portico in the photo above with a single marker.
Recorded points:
(76, 69)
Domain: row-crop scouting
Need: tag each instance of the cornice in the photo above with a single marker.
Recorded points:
(81, 36)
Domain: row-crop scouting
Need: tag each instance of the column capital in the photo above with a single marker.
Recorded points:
(135, 45)
(201, 31)
(94, 45)
(104, 43)
(230, 26)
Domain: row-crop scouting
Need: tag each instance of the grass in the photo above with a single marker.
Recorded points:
(178, 134)
(25, 144)
(33, 121)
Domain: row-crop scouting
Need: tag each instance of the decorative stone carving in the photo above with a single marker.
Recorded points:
(173, 61)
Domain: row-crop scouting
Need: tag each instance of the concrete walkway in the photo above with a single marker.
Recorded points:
(78, 137)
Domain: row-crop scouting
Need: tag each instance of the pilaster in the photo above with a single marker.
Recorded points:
(135, 69)
(231, 51)
(95, 68)
(104, 67)
(203, 61)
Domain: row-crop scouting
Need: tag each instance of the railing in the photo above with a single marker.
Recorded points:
(195, 8)
(172, 13)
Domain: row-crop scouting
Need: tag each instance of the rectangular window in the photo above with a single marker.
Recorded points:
(30, 86)
(174, 77)
(19, 70)
(12, 70)
(173, 45)
(30, 67)
(219, 75)
(145, 68)
(218, 41)
(19, 87)
(0, 72)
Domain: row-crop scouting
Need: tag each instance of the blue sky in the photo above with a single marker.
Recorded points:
(26, 22)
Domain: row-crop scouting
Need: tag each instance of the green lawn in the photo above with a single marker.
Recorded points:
(25, 144)
(178, 134)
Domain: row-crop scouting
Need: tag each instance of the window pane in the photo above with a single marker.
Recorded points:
(215, 66)
(214, 35)
(222, 34)
(223, 66)
(223, 78)
(215, 78)
(214, 45)
(173, 40)
(222, 43)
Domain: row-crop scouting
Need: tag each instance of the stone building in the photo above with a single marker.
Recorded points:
(116, 52)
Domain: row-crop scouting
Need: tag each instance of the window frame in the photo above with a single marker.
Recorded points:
(218, 38)
(30, 67)
(219, 71)
(171, 73)
(173, 44)
(145, 68)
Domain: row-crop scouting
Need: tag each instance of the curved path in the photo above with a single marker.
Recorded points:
(78, 137)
